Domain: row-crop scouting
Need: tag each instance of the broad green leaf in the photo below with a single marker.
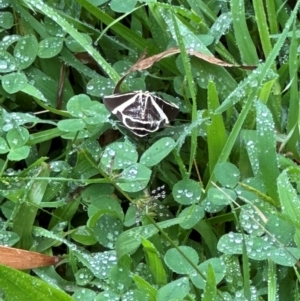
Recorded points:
(193, 214)
(122, 6)
(96, 115)
(130, 240)
(100, 264)
(84, 235)
(221, 196)
(53, 28)
(118, 156)
(16, 285)
(6, 20)
(84, 294)
(177, 290)
(107, 229)
(71, 125)
(157, 152)
(107, 295)
(8, 238)
(134, 178)
(25, 51)
(7, 41)
(285, 256)
(14, 82)
(103, 202)
(3, 146)
(258, 248)
(50, 47)
(251, 220)
(5, 3)
(177, 263)
(94, 192)
(78, 105)
(7, 62)
(186, 192)
(17, 137)
(219, 268)
(131, 216)
(227, 174)
(120, 279)
(100, 86)
(281, 230)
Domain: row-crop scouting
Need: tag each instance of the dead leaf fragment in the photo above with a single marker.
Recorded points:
(24, 260)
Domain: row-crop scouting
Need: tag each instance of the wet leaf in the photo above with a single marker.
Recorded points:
(120, 279)
(6, 20)
(53, 28)
(107, 229)
(227, 174)
(8, 238)
(71, 125)
(177, 263)
(14, 82)
(84, 235)
(105, 202)
(16, 285)
(107, 295)
(83, 276)
(193, 214)
(121, 6)
(100, 86)
(78, 105)
(118, 156)
(219, 268)
(19, 153)
(17, 137)
(74, 46)
(3, 146)
(258, 248)
(7, 62)
(100, 264)
(84, 294)
(157, 152)
(186, 192)
(134, 178)
(50, 47)
(25, 51)
(176, 290)
(221, 196)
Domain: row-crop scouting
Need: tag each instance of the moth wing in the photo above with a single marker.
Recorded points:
(170, 109)
(116, 100)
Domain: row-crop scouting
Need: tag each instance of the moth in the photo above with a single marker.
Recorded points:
(141, 112)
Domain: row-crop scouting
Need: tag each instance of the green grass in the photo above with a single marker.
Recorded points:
(77, 184)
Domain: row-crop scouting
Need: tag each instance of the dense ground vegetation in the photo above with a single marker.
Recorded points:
(207, 208)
